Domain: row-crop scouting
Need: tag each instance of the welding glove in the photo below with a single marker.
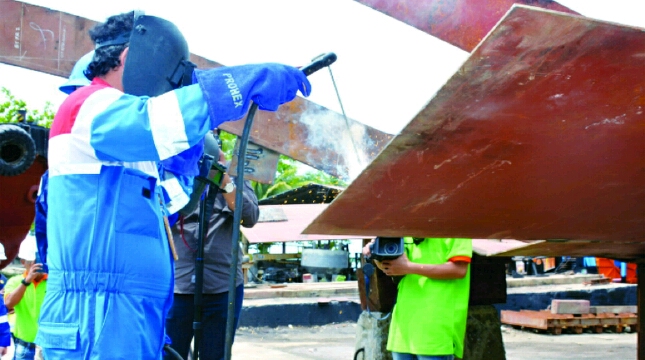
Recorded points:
(228, 91)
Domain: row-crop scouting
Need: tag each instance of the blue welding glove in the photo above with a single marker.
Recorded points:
(229, 90)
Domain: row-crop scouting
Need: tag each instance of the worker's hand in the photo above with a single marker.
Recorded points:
(280, 85)
(34, 271)
(222, 158)
(228, 91)
(367, 250)
(397, 267)
(3, 351)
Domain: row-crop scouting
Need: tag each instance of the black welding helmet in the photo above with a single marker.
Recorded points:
(158, 58)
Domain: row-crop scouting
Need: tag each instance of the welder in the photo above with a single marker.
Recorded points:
(109, 255)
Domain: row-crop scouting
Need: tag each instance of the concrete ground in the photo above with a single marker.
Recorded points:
(336, 342)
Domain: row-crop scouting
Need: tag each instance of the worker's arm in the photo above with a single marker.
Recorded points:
(157, 128)
(403, 266)
(14, 297)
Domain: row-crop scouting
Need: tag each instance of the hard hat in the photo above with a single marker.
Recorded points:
(27, 250)
(77, 78)
(3, 256)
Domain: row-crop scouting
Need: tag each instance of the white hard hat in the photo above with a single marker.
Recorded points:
(28, 248)
(3, 256)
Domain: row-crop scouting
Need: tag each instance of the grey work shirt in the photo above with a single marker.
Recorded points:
(217, 245)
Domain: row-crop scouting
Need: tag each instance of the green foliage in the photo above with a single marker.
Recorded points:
(290, 175)
(10, 107)
(228, 143)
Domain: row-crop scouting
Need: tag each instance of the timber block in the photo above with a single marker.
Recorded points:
(569, 306)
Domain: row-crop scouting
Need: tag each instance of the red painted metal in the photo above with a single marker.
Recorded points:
(463, 23)
(17, 211)
(539, 135)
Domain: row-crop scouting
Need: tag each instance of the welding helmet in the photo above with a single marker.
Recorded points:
(158, 58)
(77, 78)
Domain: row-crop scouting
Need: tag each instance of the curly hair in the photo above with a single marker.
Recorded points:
(107, 57)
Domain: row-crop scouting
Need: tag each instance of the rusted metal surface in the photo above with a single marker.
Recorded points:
(50, 41)
(297, 217)
(539, 135)
(316, 136)
(17, 197)
(41, 39)
(614, 249)
(463, 23)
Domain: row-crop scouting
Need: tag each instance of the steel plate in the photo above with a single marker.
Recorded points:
(463, 23)
(539, 135)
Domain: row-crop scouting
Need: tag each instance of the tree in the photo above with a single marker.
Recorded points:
(10, 109)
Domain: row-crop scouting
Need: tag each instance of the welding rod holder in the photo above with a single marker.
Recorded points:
(319, 62)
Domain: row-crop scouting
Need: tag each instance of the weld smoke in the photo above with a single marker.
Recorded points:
(328, 130)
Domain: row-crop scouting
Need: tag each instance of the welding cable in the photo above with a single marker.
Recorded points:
(172, 352)
(317, 64)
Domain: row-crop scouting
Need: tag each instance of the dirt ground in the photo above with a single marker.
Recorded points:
(336, 342)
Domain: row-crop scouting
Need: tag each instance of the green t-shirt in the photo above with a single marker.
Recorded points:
(429, 317)
(28, 309)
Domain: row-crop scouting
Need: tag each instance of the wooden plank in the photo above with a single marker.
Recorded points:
(524, 319)
(555, 323)
(259, 257)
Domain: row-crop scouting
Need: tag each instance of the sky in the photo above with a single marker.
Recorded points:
(386, 71)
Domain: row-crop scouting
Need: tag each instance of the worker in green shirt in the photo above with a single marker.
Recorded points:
(429, 318)
(25, 294)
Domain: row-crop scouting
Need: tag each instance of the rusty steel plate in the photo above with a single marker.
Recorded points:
(463, 23)
(625, 250)
(539, 135)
